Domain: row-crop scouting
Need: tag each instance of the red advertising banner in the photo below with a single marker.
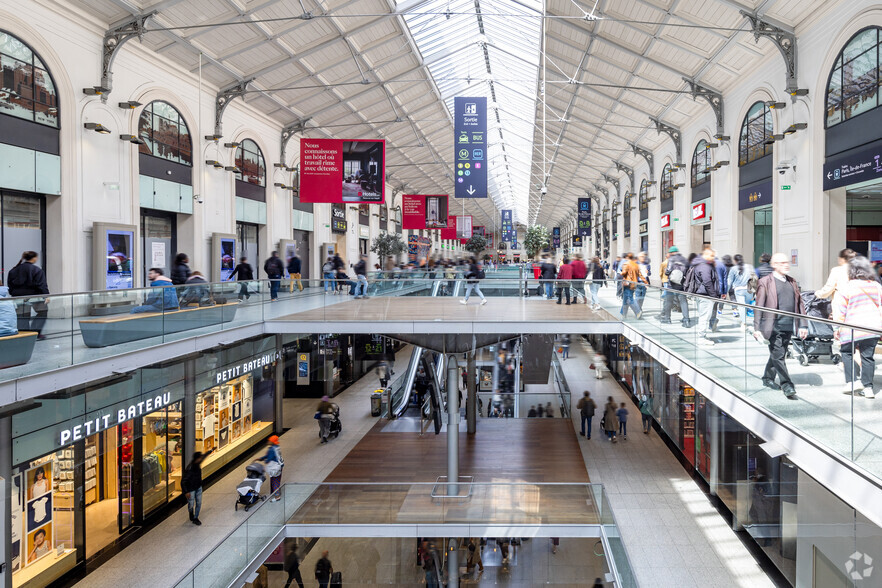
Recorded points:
(413, 211)
(337, 171)
(450, 231)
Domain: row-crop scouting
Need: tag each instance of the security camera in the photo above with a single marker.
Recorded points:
(785, 166)
(543, 190)
(198, 198)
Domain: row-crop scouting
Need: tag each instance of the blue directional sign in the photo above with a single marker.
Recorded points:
(470, 147)
(583, 229)
(508, 234)
(555, 237)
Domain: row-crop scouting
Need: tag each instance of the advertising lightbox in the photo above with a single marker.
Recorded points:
(337, 171)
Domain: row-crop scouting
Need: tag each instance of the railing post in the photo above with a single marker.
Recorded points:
(452, 426)
(453, 564)
(279, 396)
(472, 397)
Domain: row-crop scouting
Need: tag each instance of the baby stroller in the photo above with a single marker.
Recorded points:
(333, 424)
(248, 491)
(819, 341)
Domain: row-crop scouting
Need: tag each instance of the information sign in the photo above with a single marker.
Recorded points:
(470, 147)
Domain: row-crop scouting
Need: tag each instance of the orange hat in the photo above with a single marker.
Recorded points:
(274, 439)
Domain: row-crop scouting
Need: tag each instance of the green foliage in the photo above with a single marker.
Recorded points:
(476, 244)
(388, 244)
(537, 238)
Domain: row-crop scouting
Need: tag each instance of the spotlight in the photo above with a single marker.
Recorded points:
(800, 92)
(279, 166)
(130, 105)
(776, 105)
(213, 137)
(232, 145)
(133, 139)
(280, 185)
(712, 145)
(213, 163)
(98, 128)
(95, 91)
(795, 127)
(233, 168)
(721, 137)
(722, 163)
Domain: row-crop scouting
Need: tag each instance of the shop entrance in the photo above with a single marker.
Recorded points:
(762, 232)
(301, 243)
(246, 233)
(863, 218)
(22, 228)
(667, 241)
(158, 240)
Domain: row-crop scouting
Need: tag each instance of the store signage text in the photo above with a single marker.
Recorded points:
(106, 421)
(699, 211)
(247, 366)
(666, 221)
(644, 228)
(338, 220)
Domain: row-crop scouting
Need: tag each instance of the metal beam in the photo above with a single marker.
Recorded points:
(114, 39)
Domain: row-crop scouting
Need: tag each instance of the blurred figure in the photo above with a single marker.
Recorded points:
(244, 274)
(859, 302)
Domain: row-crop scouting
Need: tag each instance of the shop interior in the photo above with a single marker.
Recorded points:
(863, 217)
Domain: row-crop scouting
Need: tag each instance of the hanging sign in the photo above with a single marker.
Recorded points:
(424, 212)
(583, 228)
(555, 237)
(470, 147)
(507, 227)
(333, 170)
(577, 241)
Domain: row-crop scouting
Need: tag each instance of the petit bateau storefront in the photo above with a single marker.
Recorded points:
(93, 462)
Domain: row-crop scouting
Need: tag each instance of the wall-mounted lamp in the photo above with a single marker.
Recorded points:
(215, 164)
(213, 137)
(795, 127)
(677, 186)
(97, 127)
(776, 105)
(232, 168)
(130, 105)
(95, 91)
(712, 145)
(679, 165)
(721, 137)
(800, 92)
(652, 183)
(133, 139)
(234, 144)
(772, 139)
(281, 185)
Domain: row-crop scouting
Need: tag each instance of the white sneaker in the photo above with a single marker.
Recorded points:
(868, 392)
(463, 301)
(483, 301)
(851, 387)
(705, 342)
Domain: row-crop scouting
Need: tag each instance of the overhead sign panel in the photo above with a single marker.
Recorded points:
(852, 168)
(583, 228)
(470, 147)
(508, 233)
(555, 237)
(424, 212)
(336, 171)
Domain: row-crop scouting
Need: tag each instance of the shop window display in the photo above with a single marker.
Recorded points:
(161, 446)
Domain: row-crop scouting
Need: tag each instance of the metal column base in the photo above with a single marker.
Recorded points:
(439, 490)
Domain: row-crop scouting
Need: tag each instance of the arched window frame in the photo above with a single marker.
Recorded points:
(34, 89)
(701, 164)
(853, 85)
(643, 196)
(755, 129)
(167, 143)
(251, 170)
(667, 182)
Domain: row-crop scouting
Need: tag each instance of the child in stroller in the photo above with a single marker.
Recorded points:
(248, 491)
(820, 335)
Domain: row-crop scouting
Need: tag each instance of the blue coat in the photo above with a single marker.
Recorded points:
(159, 300)
(8, 318)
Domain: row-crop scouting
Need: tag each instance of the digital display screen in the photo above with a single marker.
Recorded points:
(119, 260)
(227, 258)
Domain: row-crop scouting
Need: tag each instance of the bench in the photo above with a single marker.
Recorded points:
(113, 330)
(17, 349)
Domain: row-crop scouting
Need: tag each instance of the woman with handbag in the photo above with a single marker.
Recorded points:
(274, 464)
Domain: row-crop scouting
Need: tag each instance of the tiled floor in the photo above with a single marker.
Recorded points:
(179, 545)
(673, 535)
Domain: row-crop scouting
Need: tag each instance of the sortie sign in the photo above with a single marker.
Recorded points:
(470, 147)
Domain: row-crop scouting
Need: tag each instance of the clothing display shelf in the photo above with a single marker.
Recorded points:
(90, 481)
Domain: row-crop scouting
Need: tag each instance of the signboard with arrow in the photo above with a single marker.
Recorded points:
(470, 147)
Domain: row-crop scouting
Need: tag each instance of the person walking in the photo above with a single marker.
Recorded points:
(429, 562)
(622, 415)
(610, 420)
(858, 302)
(326, 413)
(474, 558)
(722, 267)
(778, 291)
(565, 347)
(274, 464)
(292, 566)
(473, 277)
(742, 282)
(580, 272)
(564, 279)
(274, 269)
(645, 406)
(675, 271)
(328, 275)
(598, 361)
(361, 283)
(243, 273)
(631, 278)
(180, 270)
(191, 485)
(838, 277)
(294, 267)
(339, 266)
(323, 570)
(598, 279)
(764, 268)
(587, 408)
(703, 279)
(645, 272)
(547, 273)
(27, 278)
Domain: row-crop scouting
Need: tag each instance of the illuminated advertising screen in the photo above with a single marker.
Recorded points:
(227, 258)
(119, 260)
(337, 171)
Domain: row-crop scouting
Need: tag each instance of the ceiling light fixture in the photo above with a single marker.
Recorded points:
(97, 127)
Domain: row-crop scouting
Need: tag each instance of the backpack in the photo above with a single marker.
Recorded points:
(689, 280)
(480, 274)
(753, 284)
(328, 267)
(676, 276)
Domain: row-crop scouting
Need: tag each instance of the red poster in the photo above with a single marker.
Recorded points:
(413, 212)
(450, 231)
(337, 171)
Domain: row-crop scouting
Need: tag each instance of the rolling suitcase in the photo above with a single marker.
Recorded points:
(336, 580)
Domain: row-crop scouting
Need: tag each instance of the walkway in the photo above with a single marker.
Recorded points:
(173, 547)
(673, 535)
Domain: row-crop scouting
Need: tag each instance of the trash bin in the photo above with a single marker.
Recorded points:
(376, 403)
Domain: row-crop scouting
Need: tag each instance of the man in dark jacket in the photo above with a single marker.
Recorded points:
(361, 283)
(27, 278)
(274, 269)
(675, 271)
(703, 279)
(191, 486)
(323, 570)
(547, 272)
(586, 408)
(244, 273)
(294, 265)
(180, 271)
(292, 566)
(764, 268)
(778, 291)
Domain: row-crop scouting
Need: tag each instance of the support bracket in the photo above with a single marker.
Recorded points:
(785, 41)
(674, 134)
(223, 99)
(114, 39)
(628, 172)
(614, 182)
(647, 155)
(603, 191)
(297, 126)
(713, 98)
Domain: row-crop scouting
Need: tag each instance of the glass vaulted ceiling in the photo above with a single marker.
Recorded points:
(488, 48)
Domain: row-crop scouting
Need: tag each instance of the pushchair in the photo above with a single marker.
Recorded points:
(248, 490)
(819, 342)
(333, 424)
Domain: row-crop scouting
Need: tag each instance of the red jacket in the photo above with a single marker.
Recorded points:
(565, 272)
(580, 272)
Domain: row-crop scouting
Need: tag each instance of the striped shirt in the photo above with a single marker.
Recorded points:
(858, 303)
